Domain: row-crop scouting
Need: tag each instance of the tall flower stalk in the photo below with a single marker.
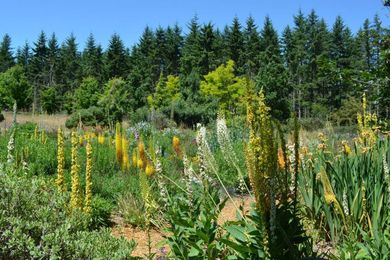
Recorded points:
(11, 149)
(60, 181)
(125, 155)
(75, 199)
(118, 143)
(261, 160)
(228, 151)
(88, 179)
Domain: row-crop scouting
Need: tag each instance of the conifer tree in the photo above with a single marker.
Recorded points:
(6, 56)
(92, 60)
(70, 64)
(173, 49)
(116, 58)
(235, 43)
(251, 47)
(24, 56)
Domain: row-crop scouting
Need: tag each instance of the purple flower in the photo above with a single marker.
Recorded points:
(136, 135)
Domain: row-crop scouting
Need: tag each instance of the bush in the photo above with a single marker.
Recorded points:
(89, 117)
(35, 224)
(101, 212)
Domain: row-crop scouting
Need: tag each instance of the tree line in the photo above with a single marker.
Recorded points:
(312, 68)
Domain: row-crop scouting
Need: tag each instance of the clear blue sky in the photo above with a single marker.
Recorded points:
(24, 19)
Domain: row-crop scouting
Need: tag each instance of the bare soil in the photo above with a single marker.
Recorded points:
(228, 213)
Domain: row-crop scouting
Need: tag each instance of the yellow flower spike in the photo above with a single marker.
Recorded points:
(125, 158)
(75, 199)
(149, 170)
(101, 139)
(281, 160)
(60, 181)
(36, 133)
(81, 140)
(141, 149)
(118, 142)
(346, 148)
(88, 179)
(176, 145)
(140, 164)
(141, 152)
(134, 158)
(43, 137)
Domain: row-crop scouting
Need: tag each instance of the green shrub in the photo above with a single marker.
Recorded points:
(89, 117)
(35, 224)
(101, 212)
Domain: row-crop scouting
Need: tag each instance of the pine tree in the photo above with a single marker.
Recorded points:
(269, 40)
(287, 46)
(53, 59)
(207, 44)
(235, 43)
(299, 63)
(24, 56)
(173, 49)
(70, 64)
(161, 49)
(341, 44)
(6, 58)
(116, 58)
(39, 68)
(251, 47)
(191, 50)
(92, 60)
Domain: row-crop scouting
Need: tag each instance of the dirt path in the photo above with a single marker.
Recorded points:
(157, 240)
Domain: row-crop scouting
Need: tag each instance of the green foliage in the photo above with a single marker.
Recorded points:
(88, 117)
(346, 114)
(36, 224)
(273, 80)
(87, 94)
(101, 212)
(6, 59)
(193, 224)
(14, 86)
(225, 86)
(115, 100)
(50, 100)
(167, 93)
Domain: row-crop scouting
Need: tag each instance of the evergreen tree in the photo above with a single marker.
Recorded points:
(70, 64)
(161, 49)
(53, 59)
(191, 50)
(287, 47)
(207, 44)
(251, 47)
(269, 40)
(341, 44)
(24, 56)
(299, 63)
(92, 60)
(116, 58)
(6, 58)
(173, 49)
(39, 68)
(235, 43)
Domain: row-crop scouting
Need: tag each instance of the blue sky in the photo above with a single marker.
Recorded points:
(24, 19)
